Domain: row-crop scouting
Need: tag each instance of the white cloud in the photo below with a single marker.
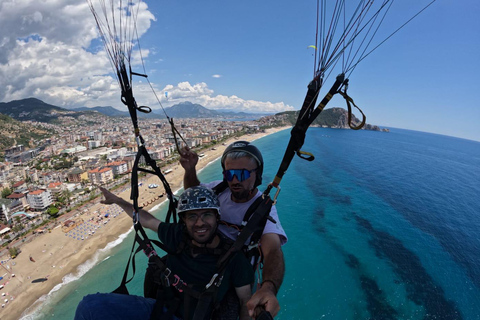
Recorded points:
(201, 94)
(52, 52)
(45, 53)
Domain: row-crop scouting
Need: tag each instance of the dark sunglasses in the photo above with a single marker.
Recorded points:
(241, 174)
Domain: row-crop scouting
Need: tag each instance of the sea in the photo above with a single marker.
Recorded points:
(380, 226)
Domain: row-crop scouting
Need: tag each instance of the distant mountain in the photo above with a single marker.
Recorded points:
(181, 110)
(193, 110)
(32, 109)
(332, 118)
(108, 111)
(189, 110)
(37, 110)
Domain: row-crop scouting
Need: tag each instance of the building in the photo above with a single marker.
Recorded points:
(21, 216)
(5, 209)
(118, 167)
(55, 189)
(20, 202)
(19, 186)
(4, 229)
(100, 175)
(92, 144)
(33, 175)
(4, 172)
(74, 150)
(14, 150)
(76, 175)
(39, 199)
(22, 156)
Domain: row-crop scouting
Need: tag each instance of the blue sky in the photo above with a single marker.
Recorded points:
(250, 56)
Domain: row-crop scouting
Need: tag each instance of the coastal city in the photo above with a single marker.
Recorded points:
(46, 181)
(52, 186)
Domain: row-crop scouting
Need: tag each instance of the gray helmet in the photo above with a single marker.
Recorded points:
(198, 197)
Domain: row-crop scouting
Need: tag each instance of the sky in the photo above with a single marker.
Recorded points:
(250, 56)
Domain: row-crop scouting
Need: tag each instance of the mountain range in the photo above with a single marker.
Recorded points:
(13, 113)
(37, 110)
(181, 110)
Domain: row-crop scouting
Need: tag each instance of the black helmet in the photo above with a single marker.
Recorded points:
(245, 146)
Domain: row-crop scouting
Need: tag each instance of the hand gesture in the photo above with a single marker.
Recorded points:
(188, 158)
(110, 198)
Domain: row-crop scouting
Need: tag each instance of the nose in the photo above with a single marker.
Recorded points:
(235, 179)
(199, 221)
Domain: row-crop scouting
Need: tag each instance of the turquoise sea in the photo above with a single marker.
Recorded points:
(380, 225)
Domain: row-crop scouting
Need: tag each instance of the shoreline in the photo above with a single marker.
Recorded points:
(58, 254)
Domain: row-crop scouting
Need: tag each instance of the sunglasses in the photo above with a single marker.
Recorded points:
(240, 174)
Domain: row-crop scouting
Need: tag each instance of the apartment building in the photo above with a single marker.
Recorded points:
(39, 199)
(118, 167)
(100, 175)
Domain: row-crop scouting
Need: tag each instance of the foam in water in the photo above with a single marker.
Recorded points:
(34, 311)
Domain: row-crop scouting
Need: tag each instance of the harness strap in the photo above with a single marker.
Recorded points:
(142, 151)
(306, 117)
(261, 206)
(219, 188)
(175, 133)
(350, 101)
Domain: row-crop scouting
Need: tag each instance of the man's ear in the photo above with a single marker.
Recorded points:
(182, 217)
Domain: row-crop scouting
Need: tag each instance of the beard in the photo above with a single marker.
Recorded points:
(241, 194)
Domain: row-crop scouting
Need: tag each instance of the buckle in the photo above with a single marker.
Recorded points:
(178, 283)
(252, 246)
(166, 275)
(213, 282)
(150, 251)
(136, 217)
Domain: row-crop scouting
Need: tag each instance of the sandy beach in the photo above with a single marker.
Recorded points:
(54, 255)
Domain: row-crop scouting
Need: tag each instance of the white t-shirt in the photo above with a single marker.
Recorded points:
(233, 212)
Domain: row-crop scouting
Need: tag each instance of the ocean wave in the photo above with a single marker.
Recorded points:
(35, 310)
(207, 165)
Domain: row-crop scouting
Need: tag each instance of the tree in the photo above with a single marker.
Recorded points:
(13, 252)
(64, 198)
(6, 192)
(52, 211)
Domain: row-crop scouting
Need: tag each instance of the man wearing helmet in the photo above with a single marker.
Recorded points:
(195, 263)
(242, 165)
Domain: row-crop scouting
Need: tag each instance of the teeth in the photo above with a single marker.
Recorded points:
(202, 231)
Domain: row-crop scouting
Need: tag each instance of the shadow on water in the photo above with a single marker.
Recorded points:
(421, 288)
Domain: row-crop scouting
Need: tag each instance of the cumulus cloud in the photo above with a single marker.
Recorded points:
(201, 94)
(52, 52)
